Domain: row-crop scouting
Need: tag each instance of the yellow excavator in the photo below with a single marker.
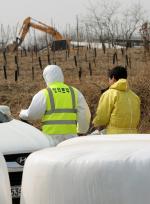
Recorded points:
(59, 43)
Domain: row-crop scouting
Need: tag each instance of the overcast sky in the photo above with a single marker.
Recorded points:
(60, 12)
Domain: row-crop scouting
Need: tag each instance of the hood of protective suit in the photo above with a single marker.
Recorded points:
(120, 85)
(53, 73)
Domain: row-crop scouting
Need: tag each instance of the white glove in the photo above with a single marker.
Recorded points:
(95, 132)
(23, 114)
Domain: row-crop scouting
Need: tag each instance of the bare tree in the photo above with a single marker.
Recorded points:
(145, 34)
(108, 21)
(5, 36)
(102, 19)
(132, 19)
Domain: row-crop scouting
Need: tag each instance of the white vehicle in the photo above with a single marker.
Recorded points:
(17, 141)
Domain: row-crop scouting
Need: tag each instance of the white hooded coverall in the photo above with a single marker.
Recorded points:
(37, 108)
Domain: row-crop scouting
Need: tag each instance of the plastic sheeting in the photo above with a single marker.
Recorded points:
(5, 193)
(107, 138)
(95, 170)
(19, 137)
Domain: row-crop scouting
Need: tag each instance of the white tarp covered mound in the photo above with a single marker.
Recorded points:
(22, 138)
(97, 171)
(107, 138)
(5, 193)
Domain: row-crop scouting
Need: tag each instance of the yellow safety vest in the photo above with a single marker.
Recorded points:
(61, 109)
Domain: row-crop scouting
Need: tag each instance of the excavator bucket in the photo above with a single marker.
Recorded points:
(59, 45)
(12, 47)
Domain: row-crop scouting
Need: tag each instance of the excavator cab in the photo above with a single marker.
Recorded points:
(59, 45)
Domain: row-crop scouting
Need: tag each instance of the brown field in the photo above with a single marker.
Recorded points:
(18, 94)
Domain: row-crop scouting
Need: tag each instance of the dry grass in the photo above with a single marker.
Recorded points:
(18, 94)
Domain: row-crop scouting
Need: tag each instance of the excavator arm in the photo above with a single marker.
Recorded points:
(59, 42)
(23, 31)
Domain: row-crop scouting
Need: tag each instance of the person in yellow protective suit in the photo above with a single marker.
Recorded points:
(119, 108)
(62, 109)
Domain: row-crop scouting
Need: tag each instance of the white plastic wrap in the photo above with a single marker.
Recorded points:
(5, 193)
(106, 170)
(19, 137)
(106, 138)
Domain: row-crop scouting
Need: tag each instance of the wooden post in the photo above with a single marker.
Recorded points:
(75, 61)
(115, 58)
(32, 73)
(126, 60)
(16, 75)
(40, 62)
(80, 73)
(48, 59)
(95, 53)
(17, 66)
(5, 73)
(4, 56)
(104, 47)
(90, 68)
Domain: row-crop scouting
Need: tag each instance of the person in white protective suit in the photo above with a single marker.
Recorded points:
(63, 110)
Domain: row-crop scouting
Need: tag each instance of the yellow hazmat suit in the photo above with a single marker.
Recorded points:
(118, 109)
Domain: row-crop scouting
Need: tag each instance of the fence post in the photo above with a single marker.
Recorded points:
(5, 73)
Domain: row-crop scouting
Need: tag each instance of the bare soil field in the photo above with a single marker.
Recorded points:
(85, 69)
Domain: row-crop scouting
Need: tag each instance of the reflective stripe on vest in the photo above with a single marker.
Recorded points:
(63, 110)
(60, 120)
